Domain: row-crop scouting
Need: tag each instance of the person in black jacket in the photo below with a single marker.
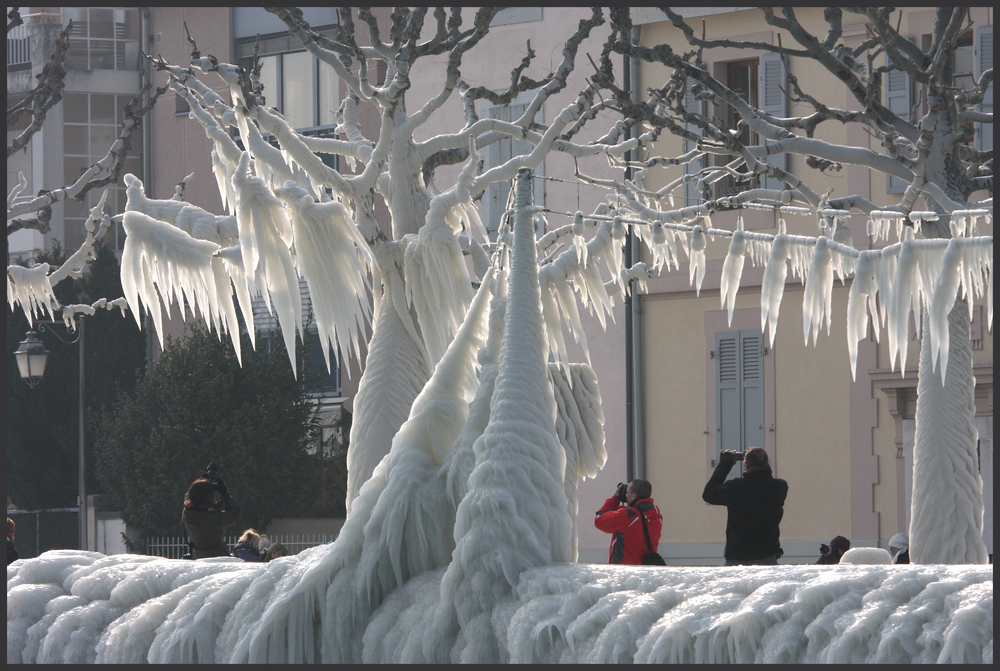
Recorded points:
(755, 503)
(831, 554)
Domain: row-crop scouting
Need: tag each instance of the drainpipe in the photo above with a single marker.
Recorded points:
(635, 455)
(638, 431)
(629, 326)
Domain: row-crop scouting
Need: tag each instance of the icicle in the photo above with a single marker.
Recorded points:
(861, 300)
(578, 241)
(696, 268)
(941, 303)
(732, 269)
(773, 285)
(818, 294)
(31, 288)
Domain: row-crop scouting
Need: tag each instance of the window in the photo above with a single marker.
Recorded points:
(92, 122)
(102, 38)
(496, 195)
(739, 357)
(741, 78)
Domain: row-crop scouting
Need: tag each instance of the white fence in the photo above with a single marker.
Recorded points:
(175, 547)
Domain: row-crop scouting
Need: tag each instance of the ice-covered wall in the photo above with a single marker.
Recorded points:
(76, 607)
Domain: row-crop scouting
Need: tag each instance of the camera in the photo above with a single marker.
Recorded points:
(623, 496)
(738, 456)
(211, 473)
(824, 549)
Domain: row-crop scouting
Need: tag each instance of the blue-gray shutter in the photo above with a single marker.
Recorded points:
(727, 394)
(772, 79)
(739, 391)
(692, 195)
(898, 100)
(752, 391)
(984, 61)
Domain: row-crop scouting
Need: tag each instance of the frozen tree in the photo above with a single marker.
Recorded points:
(936, 268)
(293, 216)
(32, 287)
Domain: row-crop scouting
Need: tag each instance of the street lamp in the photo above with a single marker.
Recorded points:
(31, 358)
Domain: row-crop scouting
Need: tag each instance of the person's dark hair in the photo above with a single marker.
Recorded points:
(199, 494)
(275, 549)
(840, 544)
(755, 456)
(642, 488)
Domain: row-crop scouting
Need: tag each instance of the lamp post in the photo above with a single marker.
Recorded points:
(31, 358)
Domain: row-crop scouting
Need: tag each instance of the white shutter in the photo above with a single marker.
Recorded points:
(692, 196)
(898, 100)
(984, 61)
(773, 101)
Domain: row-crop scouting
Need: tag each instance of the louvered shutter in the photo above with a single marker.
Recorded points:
(899, 100)
(739, 391)
(692, 195)
(984, 61)
(773, 101)
(752, 387)
(727, 383)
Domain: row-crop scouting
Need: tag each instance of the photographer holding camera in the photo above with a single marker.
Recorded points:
(755, 504)
(208, 510)
(634, 527)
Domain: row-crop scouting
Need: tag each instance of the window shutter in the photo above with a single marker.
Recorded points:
(739, 392)
(727, 406)
(692, 195)
(899, 100)
(752, 392)
(774, 102)
(984, 61)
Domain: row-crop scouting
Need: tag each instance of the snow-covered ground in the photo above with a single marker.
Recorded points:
(71, 606)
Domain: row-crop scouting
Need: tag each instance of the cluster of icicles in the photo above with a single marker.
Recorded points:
(890, 283)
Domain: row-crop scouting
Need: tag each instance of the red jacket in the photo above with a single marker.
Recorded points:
(625, 527)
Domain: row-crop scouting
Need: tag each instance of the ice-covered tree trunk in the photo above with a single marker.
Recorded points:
(395, 372)
(946, 515)
(514, 516)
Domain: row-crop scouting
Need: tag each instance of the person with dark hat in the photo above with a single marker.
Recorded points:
(831, 554)
(755, 505)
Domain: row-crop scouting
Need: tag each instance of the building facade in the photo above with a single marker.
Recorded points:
(844, 446)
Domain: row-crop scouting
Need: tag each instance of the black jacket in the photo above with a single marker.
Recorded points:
(755, 503)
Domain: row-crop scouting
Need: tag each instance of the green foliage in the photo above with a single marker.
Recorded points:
(199, 406)
(43, 423)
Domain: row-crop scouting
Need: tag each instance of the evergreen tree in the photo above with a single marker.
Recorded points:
(199, 406)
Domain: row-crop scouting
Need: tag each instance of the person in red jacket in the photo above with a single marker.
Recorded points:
(628, 540)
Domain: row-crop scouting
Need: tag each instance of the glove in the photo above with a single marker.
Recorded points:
(727, 458)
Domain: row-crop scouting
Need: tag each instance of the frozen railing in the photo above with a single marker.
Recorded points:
(175, 547)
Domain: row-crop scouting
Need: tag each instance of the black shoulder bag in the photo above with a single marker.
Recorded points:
(650, 558)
